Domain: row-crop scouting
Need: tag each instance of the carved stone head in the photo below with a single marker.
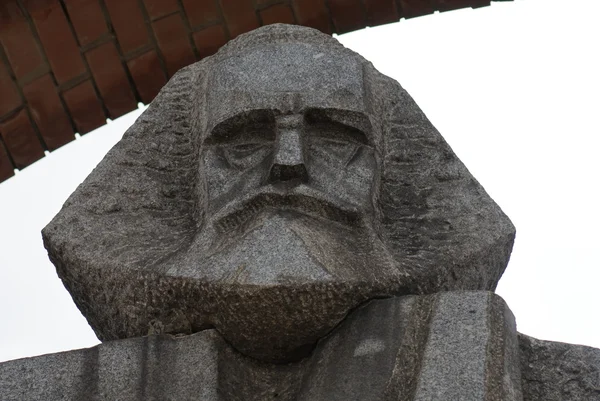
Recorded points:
(266, 192)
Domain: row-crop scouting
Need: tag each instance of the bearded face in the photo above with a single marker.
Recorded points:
(290, 176)
(309, 162)
(291, 171)
(267, 191)
(281, 187)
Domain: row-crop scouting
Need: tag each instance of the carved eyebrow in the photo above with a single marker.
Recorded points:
(357, 126)
(243, 126)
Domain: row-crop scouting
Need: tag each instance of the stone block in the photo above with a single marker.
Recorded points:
(141, 369)
(471, 351)
(447, 346)
(553, 371)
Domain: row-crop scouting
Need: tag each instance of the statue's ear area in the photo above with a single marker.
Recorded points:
(441, 224)
(134, 210)
(137, 203)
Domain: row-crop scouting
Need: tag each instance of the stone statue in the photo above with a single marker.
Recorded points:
(267, 191)
(290, 216)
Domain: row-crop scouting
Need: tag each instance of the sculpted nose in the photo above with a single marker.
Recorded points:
(288, 161)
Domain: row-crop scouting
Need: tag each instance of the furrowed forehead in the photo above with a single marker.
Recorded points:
(260, 118)
(287, 77)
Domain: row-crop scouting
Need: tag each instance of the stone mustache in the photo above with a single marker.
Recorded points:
(267, 192)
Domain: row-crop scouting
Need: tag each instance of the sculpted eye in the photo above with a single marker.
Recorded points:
(245, 149)
(246, 155)
(334, 150)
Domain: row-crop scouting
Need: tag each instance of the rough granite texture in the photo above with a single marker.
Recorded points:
(553, 371)
(266, 192)
(449, 346)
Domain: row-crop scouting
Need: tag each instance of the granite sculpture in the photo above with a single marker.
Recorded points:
(283, 222)
(268, 191)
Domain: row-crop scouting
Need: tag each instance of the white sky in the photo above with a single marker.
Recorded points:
(514, 88)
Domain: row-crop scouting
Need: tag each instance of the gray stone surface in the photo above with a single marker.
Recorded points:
(471, 351)
(161, 368)
(553, 371)
(266, 192)
(402, 348)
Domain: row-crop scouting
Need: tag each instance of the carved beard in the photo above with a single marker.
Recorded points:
(278, 279)
(286, 239)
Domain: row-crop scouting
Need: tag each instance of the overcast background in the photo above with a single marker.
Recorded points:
(514, 88)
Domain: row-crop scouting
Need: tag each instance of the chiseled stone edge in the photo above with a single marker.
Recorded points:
(554, 371)
(145, 368)
(402, 384)
(470, 350)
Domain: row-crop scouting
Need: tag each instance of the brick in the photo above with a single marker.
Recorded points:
(201, 12)
(209, 40)
(23, 53)
(85, 107)
(7, 170)
(87, 19)
(128, 23)
(260, 4)
(173, 42)
(160, 8)
(381, 12)
(239, 15)
(347, 15)
(447, 5)
(56, 37)
(111, 80)
(416, 8)
(48, 113)
(148, 75)
(20, 139)
(277, 13)
(312, 13)
(10, 99)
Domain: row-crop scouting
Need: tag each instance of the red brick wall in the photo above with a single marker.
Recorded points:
(68, 65)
